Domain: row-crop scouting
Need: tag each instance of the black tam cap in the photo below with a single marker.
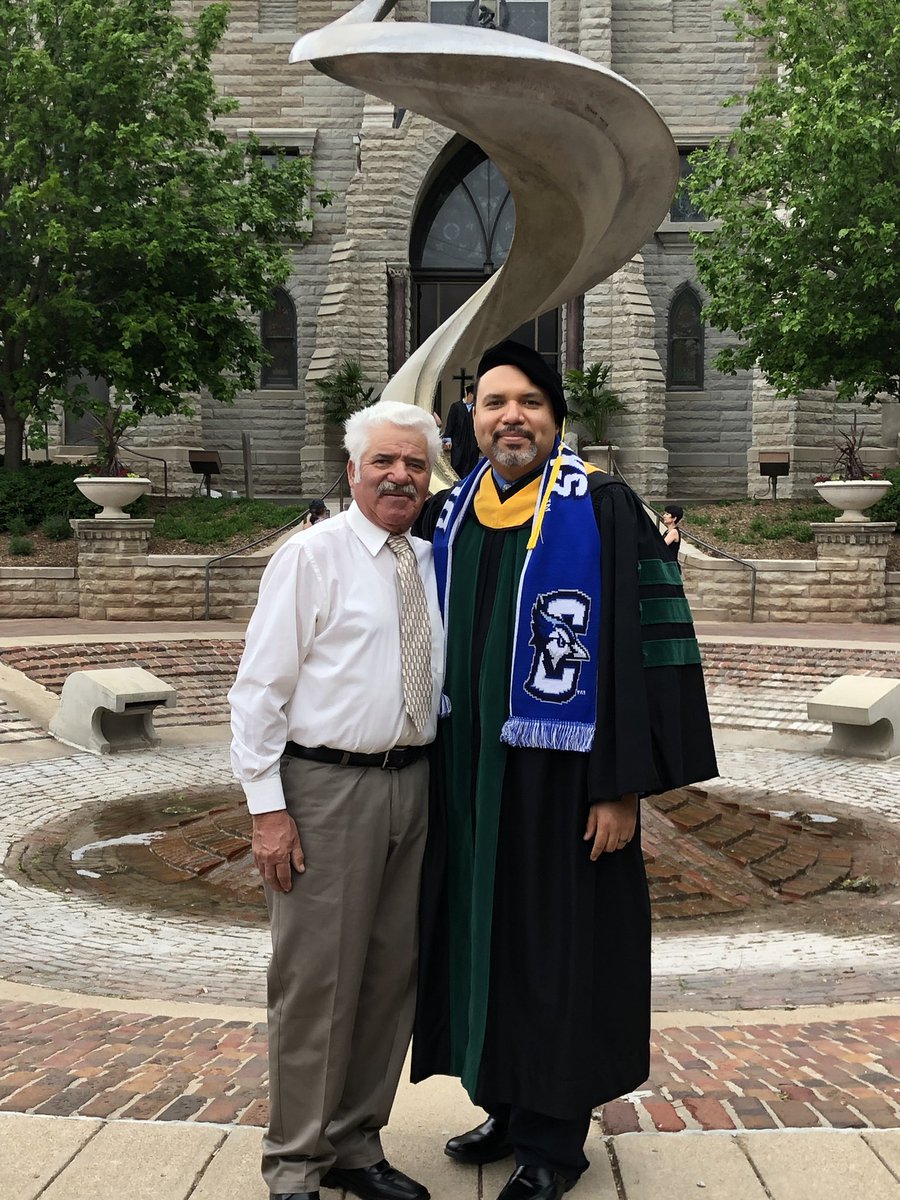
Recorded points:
(532, 364)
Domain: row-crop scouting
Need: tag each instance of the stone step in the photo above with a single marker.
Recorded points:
(710, 614)
(242, 612)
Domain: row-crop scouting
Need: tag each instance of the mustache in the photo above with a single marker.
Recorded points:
(519, 430)
(397, 489)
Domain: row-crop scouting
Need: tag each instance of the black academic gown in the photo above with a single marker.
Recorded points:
(460, 428)
(564, 1018)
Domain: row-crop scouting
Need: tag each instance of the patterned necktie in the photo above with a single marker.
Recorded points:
(415, 633)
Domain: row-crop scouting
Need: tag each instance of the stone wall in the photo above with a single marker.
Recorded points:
(118, 580)
(27, 592)
(892, 597)
(706, 433)
(846, 582)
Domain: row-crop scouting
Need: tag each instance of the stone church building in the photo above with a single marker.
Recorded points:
(421, 218)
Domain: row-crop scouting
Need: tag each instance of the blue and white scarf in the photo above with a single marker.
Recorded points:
(553, 690)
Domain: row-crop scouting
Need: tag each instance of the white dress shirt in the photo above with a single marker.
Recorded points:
(321, 663)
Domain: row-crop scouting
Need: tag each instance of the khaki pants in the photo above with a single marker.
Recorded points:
(343, 970)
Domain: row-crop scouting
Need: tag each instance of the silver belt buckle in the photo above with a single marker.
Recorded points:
(384, 764)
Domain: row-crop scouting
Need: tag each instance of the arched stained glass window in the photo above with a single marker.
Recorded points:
(462, 234)
(685, 341)
(528, 18)
(278, 330)
(467, 221)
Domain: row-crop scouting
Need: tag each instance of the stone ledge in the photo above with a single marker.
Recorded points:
(37, 572)
(786, 566)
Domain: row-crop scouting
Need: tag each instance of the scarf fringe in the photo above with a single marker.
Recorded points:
(528, 733)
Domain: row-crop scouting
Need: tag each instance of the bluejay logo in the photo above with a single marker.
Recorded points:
(558, 621)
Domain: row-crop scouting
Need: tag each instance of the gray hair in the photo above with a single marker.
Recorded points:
(359, 428)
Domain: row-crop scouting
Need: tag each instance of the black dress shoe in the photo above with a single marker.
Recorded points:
(535, 1183)
(486, 1143)
(381, 1181)
(293, 1196)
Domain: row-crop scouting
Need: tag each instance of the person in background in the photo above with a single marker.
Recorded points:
(672, 515)
(317, 512)
(459, 435)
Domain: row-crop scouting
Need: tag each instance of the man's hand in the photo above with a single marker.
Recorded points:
(611, 824)
(276, 848)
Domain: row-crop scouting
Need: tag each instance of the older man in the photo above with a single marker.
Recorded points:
(335, 701)
(575, 684)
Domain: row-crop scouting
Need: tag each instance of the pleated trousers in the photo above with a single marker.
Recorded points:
(342, 977)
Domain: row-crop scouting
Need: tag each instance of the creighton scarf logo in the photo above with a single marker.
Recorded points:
(552, 701)
(557, 620)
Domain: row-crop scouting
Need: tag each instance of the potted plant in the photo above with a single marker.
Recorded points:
(110, 484)
(344, 392)
(592, 403)
(851, 485)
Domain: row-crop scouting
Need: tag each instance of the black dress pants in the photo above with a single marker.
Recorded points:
(542, 1141)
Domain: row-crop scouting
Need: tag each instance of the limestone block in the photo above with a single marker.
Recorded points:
(111, 709)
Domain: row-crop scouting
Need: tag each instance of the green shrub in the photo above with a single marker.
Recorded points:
(18, 526)
(20, 546)
(888, 507)
(47, 489)
(206, 522)
(42, 490)
(56, 528)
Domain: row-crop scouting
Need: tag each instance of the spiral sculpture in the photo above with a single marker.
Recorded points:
(591, 165)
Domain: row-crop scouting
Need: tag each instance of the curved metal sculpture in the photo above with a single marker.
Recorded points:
(591, 166)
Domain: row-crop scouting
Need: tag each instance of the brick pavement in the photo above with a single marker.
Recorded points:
(764, 1075)
(62, 938)
(751, 685)
(202, 670)
(704, 855)
(65, 1062)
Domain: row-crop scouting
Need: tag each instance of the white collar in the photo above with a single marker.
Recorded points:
(372, 536)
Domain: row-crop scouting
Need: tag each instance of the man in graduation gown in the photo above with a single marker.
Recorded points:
(575, 686)
(459, 432)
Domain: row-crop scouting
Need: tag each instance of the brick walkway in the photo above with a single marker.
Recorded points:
(202, 670)
(840, 1074)
(720, 1073)
(750, 685)
(65, 1062)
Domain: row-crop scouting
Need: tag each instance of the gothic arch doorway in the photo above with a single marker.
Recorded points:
(461, 235)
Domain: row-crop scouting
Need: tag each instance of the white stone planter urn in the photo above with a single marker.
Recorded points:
(111, 492)
(854, 496)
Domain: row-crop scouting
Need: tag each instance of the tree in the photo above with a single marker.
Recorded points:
(805, 265)
(136, 238)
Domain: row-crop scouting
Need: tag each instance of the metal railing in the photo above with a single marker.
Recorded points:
(268, 536)
(151, 458)
(699, 541)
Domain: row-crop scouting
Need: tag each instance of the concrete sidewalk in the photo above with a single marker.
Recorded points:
(59, 1158)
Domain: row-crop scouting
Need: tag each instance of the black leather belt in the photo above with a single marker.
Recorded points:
(391, 760)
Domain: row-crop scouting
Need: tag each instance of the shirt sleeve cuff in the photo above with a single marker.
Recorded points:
(264, 795)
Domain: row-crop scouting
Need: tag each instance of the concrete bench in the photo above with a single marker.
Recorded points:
(110, 710)
(865, 714)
